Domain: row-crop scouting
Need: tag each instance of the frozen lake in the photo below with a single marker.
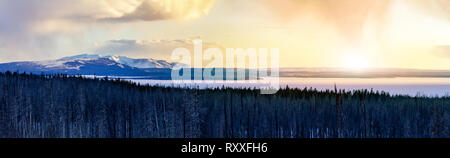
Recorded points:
(399, 85)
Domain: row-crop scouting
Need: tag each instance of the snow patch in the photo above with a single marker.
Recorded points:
(137, 63)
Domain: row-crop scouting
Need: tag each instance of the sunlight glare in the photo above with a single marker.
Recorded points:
(355, 61)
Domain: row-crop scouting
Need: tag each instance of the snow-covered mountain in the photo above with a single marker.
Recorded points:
(138, 63)
(93, 64)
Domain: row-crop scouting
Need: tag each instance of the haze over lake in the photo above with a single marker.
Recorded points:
(397, 86)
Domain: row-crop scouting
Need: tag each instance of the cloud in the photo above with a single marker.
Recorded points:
(147, 48)
(350, 17)
(47, 15)
(442, 51)
(435, 8)
(36, 28)
(150, 10)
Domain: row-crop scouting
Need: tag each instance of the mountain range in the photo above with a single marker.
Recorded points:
(138, 63)
(94, 64)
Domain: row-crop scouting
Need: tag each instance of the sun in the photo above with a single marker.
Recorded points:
(354, 61)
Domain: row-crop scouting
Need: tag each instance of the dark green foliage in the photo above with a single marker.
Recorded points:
(73, 106)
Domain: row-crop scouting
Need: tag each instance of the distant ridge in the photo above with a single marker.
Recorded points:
(366, 73)
(138, 63)
(94, 64)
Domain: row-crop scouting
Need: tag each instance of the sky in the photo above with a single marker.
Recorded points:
(309, 33)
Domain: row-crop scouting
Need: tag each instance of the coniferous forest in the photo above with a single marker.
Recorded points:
(61, 106)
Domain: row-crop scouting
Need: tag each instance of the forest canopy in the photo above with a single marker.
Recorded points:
(62, 106)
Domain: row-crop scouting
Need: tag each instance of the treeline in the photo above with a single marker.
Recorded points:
(76, 107)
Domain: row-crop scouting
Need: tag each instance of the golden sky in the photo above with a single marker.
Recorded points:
(309, 33)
